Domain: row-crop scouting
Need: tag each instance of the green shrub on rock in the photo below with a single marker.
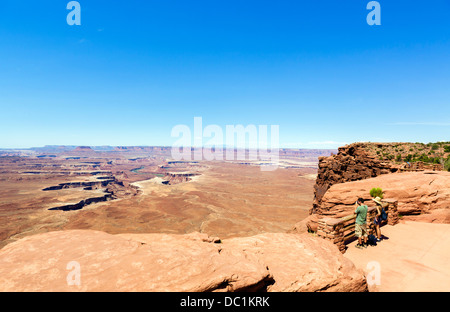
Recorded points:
(376, 192)
(447, 164)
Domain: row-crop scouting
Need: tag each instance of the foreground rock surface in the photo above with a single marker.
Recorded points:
(175, 263)
(302, 263)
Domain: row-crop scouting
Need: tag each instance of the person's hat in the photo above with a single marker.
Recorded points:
(377, 200)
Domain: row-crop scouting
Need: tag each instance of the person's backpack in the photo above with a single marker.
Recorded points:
(383, 215)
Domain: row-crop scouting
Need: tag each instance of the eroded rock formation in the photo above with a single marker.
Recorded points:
(112, 189)
(178, 177)
(421, 189)
(352, 163)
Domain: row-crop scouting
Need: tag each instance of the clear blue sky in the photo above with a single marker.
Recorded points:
(135, 69)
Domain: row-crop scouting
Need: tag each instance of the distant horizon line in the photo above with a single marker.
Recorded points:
(147, 146)
(209, 146)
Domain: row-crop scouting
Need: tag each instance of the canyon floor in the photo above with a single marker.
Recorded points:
(226, 200)
(142, 192)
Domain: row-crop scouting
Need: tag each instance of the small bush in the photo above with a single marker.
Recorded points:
(447, 148)
(376, 192)
(447, 164)
(434, 147)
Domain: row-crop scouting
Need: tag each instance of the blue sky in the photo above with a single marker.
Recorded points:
(133, 71)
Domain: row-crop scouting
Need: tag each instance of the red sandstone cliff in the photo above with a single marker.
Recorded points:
(352, 163)
(421, 189)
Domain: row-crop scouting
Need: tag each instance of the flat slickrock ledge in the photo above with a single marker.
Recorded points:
(175, 263)
(302, 263)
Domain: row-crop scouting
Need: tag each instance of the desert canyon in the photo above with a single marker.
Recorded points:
(137, 220)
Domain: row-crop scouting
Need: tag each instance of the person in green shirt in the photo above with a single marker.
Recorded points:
(360, 223)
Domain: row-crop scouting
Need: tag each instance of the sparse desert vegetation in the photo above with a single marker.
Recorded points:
(430, 153)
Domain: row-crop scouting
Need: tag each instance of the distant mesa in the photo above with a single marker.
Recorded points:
(83, 149)
(142, 148)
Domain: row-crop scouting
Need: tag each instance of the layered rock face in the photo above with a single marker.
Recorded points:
(178, 177)
(352, 163)
(95, 261)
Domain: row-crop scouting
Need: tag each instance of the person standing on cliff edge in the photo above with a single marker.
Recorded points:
(378, 218)
(360, 223)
